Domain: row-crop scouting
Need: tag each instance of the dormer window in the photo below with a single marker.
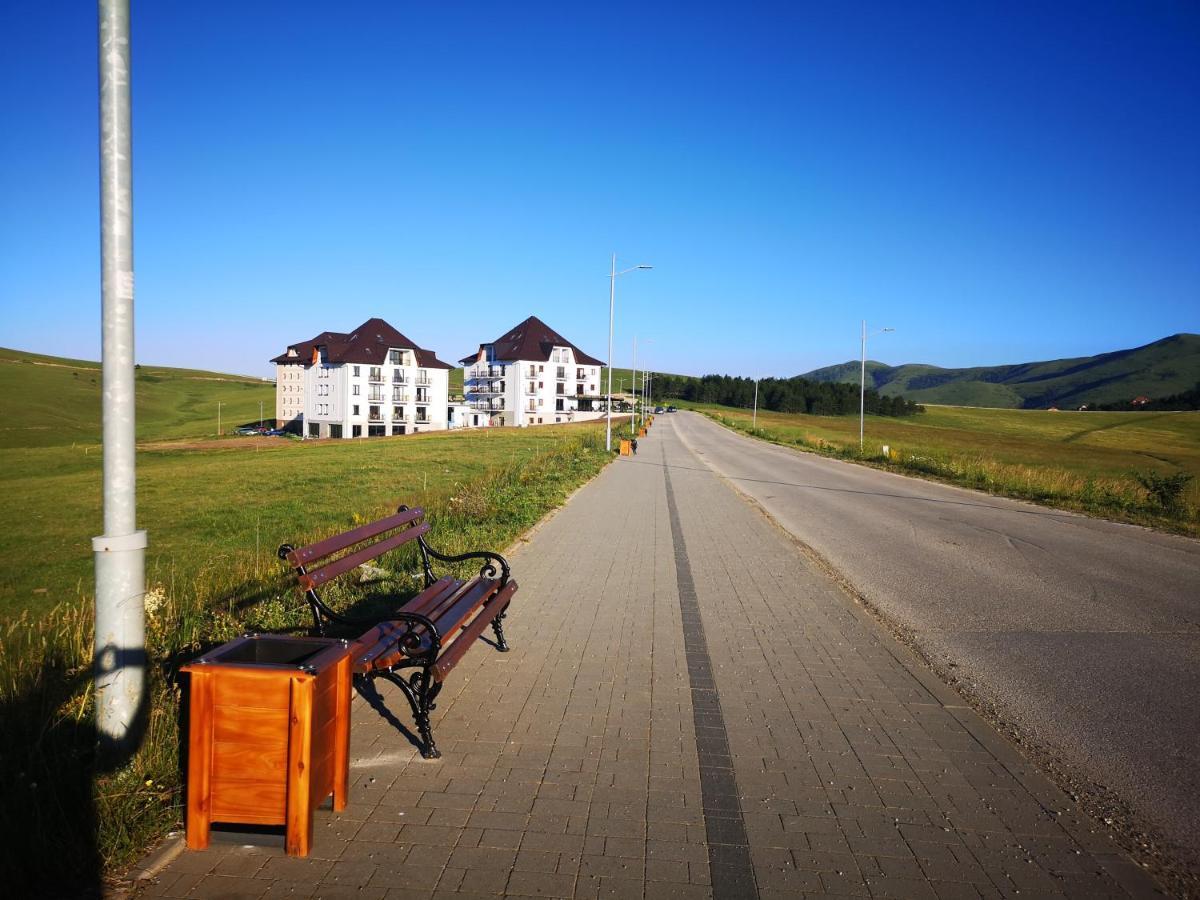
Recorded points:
(394, 357)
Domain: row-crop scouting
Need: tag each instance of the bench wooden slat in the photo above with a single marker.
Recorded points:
(456, 612)
(468, 635)
(305, 555)
(317, 577)
(439, 608)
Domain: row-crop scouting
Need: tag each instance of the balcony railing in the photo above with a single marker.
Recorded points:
(399, 397)
(422, 420)
(375, 376)
(486, 389)
(376, 397)
(486, 372)
(375, 418)
(423, 379)
(485, 406)
(399, 377)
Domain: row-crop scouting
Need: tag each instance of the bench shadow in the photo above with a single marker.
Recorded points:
(367, 690)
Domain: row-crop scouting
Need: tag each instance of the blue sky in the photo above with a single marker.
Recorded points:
(999, 182)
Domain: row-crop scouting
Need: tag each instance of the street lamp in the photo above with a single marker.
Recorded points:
(754, 419)
(612, 292)
(862, 388)
(640, 416)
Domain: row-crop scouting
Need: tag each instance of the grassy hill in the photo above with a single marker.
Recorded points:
(1165, 367)
(47, 401)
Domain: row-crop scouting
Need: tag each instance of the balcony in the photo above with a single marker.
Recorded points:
(423, 379)
(375, 376)
(399, 377)
(376, 397)
(487, 406)
(399, 397)
(375, 417)
(422, 420)
(486, 372)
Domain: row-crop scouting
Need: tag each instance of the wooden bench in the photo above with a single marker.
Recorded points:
(427, 634)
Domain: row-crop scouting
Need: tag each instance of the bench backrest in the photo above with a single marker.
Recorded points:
(392, 532)
(319, 563)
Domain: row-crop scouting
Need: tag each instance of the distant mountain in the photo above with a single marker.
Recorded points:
(1169, 366)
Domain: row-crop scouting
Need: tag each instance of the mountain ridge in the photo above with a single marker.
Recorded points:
(1155, 370)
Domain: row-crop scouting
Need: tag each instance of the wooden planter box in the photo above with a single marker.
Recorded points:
(269, 735)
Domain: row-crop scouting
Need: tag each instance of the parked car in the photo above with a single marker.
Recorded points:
(658, 410)
(246, 431)
(672, 409)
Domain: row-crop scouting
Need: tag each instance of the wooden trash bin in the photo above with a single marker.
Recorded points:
(626, 448)
(268, 735)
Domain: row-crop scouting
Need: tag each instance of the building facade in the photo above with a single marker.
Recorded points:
(370, 382)
(531, 375)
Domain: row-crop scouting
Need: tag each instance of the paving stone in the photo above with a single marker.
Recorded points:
(680, 673)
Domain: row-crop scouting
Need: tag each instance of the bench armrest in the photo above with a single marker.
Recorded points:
(489, 568)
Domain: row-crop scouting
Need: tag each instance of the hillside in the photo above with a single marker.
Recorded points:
(48, 401)
(1165, 367)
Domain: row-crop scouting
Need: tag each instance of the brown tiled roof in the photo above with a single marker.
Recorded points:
(533, 339)
(304, 348)
(368, 343)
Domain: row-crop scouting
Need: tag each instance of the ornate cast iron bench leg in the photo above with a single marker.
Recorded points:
(498, 630)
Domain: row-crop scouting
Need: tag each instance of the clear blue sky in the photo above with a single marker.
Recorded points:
(999, 182)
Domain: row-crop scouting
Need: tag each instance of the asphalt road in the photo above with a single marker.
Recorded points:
(1084, 634)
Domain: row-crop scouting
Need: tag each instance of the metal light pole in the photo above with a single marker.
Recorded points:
(612, 294)
(754, 419)
(633, 389)
(640, 393)
(260, 413)
(862, 387)
(120, 553)
(218, 418)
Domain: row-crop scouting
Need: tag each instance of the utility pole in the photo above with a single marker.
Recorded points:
(754, 419)
(260, 413)
(120, 553)
(218, 418)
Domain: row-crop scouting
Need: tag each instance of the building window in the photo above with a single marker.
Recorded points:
(355, 411)
(335, 431)
(394, 356)
(558, 405)
(354, 389)
(356, 371)
(355, 431)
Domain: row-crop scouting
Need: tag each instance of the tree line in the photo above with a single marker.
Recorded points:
(1184, 400)
(790, 395)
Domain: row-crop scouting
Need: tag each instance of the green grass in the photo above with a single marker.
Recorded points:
(46, 401)
(1086, 461)
(215, 511)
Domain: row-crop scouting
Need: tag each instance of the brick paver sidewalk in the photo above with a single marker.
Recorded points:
(690, 709)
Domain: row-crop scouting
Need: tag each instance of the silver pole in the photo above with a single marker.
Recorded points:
(862, 386)
(121, 551)
(754, 420)
(633, 389)
(612, 293)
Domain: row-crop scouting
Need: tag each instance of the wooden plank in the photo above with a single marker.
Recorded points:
(454, 614)
(468, 635)
(298, 834)
(305, 555)
(341, 737)
(199, 787)
(342, 564)
(250, 689)
(431, 595)
(248, 762)
(250, 802)
(249, 725)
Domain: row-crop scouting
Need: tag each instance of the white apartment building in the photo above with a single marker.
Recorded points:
(531, 375)
(371, 382)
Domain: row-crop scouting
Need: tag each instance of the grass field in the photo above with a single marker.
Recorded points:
(215, 510)
(1087, 461)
